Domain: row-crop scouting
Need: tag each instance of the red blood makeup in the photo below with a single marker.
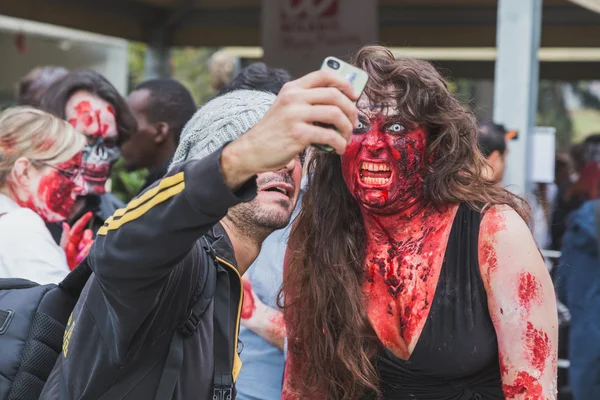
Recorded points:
(384, 163)
(95, 118)
(383, 168)
(56, 191)
(248, 305)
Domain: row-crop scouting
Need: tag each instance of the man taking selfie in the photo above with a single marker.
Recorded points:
(160, 315)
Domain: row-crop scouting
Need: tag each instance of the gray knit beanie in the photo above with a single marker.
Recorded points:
(219, 121)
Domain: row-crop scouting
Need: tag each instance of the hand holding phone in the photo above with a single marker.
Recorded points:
(289, 127)
(357, 78)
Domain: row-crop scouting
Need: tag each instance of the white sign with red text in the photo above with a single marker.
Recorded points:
(298, 34)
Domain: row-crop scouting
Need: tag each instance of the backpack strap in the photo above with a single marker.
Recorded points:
(75, 281)
(223, 358)
(200, 301)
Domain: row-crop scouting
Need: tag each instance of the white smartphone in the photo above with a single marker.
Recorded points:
(357, 78)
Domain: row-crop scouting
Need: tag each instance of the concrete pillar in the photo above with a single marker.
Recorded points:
(157, 60)
(516, 83)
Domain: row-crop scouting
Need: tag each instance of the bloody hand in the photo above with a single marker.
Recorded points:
(76, 241)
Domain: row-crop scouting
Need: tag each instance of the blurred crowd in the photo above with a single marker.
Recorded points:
(59, 144)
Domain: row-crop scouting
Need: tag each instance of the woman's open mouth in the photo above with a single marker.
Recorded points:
(376, 173)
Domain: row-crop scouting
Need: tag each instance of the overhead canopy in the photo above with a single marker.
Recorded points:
(414, 23)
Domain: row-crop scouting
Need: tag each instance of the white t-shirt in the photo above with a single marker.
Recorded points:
(27, 249)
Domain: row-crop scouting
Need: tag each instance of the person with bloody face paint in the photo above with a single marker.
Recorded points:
(410, 275)
(94, 107)
(40, 165)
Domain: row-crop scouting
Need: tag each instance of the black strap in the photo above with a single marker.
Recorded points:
(222, 349)
(170, 374)
(200, 302)
(137, 373)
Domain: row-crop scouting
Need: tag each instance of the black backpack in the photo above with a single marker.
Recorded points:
(32, 323)
(33, 318)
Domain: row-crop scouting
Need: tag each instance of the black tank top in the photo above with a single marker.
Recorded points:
(456, 356)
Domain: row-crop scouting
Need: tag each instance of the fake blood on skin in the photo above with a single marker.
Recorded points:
(276, 326)
(496, 222)
(524, 384)
(529, 287)
(404, 232)
(248, 305)
(57, 191)
(88, 116)
(55, 194)
(538, 344)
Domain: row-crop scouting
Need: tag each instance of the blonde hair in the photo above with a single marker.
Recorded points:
(36, 135)
(223, 67)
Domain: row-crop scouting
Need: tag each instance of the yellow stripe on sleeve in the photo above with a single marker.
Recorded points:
(165, 183)
(138, 212)
(170, 182)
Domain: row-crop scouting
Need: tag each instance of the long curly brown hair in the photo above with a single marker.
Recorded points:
(332, 345)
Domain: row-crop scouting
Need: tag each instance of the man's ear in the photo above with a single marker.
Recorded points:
(162, 132)
(21, 171)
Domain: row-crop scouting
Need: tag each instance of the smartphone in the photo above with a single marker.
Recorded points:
(357, 78)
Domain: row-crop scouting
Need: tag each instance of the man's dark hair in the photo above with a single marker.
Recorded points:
(57, 96)
(32, 86)
(258, 76)
(491, 137)
(168, 101)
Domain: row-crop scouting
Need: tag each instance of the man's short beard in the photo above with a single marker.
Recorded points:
(255, 222)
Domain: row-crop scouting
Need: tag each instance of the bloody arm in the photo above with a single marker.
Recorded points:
(261, 319)
(522, 306)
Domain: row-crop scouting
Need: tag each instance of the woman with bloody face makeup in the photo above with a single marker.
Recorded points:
(40, 164)
(94, 107)
(410, 275)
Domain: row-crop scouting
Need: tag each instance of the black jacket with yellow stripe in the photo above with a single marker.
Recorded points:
(147, 260)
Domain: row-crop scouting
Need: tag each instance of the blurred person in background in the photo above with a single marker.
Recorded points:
(223, 67)
(578, 276)
(40, 177)
(262, 330)
(32, 86)
(161, 107)
(568, 198)
(257, 76)
(94, 107)
(492, 140)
